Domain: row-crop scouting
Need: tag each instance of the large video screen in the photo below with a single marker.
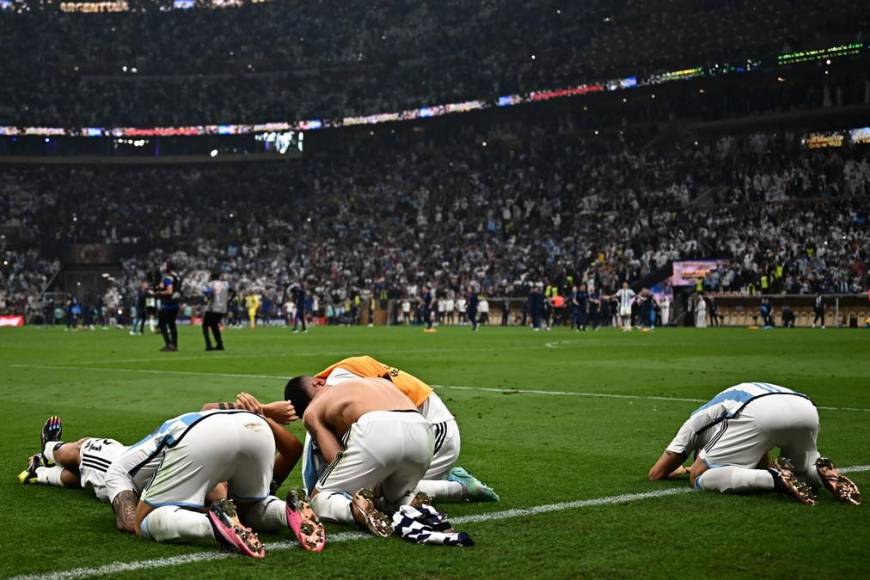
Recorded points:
(687, 272)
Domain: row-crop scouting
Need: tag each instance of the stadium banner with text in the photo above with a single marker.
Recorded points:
(626, 83)
(687, 272)
(823, 140)
(11, 321)
(860, 136)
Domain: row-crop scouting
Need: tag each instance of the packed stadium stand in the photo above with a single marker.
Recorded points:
(744, 166)
(284, 60)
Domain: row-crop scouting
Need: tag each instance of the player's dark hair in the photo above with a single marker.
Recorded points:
(215, 275)
(294, 393)
(170, 267)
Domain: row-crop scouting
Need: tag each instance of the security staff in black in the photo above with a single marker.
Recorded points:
(472, 302)
(819, 311)
(169, 292)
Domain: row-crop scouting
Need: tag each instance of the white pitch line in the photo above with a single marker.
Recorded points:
(500, 390)
(150, 371)
(121, 567)
(855, 469)
(510, 391)
(341, 353)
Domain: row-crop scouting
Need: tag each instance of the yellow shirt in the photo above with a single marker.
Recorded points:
(367, 367)
(252, 301)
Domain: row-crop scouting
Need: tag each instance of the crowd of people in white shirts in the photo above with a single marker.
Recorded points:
(454, 212)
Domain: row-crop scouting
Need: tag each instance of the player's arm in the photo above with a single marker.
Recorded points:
(122, 491)
(326, 440)
(223, 406)
(125, 505)
(685, 441)
(289, 451)
(668, 466)
(280, 411)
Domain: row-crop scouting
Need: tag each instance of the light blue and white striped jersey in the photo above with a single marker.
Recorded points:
(732, 399)
(137, 466)
(696, 431)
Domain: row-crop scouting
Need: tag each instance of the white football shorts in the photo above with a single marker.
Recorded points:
(238, 448)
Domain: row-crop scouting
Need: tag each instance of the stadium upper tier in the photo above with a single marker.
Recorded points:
(288, 61)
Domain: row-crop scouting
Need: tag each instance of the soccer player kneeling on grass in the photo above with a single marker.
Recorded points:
(374, 438)
(184, 459)
(732, 434)
(444, 480)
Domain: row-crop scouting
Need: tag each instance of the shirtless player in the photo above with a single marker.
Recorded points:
(444, 480)
(374, 438)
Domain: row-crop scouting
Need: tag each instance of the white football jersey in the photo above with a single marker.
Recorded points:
(625, 297)
(696, 433)
(97, 456)
(136, 467)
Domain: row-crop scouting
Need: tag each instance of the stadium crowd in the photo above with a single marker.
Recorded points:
(387, 221)
(273, 62)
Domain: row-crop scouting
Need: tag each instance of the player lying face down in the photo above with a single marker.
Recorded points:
(373, 437)
(443, 480)
(103, 465)
(77, 464)
(84, 463)
(732, 434)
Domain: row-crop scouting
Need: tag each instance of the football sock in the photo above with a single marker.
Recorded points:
(50, 448)
(50, 475)
(805, 466)
(442, 489)
(268, 515)
(169, 523)
(333, 506)
(735, 479)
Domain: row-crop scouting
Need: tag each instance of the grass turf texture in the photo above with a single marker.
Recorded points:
(533, 449)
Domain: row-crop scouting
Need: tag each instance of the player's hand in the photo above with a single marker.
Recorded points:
(248, 402)
(679, 472)
(281, 412)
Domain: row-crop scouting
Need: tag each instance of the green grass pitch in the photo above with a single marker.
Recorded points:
(533, 448)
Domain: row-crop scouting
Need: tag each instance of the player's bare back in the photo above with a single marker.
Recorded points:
(341, 406)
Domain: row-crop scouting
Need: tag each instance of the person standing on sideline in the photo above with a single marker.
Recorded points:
(406, 311)
(625, 297)
(714, 311)
(819, 311)
(505, 311)
(483, 310)
(580, 303)
(169, 293)
(299, 298)
(536, 307)
(594, 309)
(138, 326)
(766, 311)
(665, 306)
(219, 294)
(426, 309)
(471, 304)
(252, 305)
(701, 312)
